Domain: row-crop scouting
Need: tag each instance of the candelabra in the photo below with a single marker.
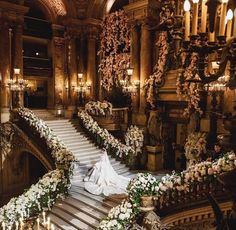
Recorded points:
(17, 86)
(82, 88)
(203, 43)
(128, 86)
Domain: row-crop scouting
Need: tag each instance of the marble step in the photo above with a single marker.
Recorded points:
(60, 223)
(73, 223)
(80, 219)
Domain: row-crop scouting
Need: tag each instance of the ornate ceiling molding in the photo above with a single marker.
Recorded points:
(57, 6)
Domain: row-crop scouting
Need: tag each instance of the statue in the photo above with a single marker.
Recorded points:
(154, 127)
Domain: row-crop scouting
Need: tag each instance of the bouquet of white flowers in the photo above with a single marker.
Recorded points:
(195, 146)
(134, 137)
(98, 108)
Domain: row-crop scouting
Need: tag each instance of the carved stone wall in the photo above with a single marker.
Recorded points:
(14, 161)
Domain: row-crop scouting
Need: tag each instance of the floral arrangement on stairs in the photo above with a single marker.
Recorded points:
(55, 184)
(98, 108)
(105, 138)
(147, 185)
(190, 90)
(134, 137)
(114, 51)
(195, 146)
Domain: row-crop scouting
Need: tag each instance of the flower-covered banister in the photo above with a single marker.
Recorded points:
(114, 49)
(168, 187)
(55, 184)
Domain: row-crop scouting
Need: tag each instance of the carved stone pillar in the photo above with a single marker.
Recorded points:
(72, 70)
(59, 71)
(18, 47)
(5, 70)
(91, 65)
(135, 63)
(145, 63)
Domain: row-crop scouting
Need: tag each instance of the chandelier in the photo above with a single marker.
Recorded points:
(17, 84)
(206, 37)
(128, 86)
(82, 86)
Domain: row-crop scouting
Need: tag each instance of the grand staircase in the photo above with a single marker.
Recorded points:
(81, 210)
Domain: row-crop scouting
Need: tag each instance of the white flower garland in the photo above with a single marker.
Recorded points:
(53, 185)
(146, 184)
(134, 137)
(108, 140)
(190, 90)
(98, 108)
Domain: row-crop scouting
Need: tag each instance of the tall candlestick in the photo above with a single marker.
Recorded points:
(229, 24)
(17, 225)
(44, 218)
(204, 16)
(52, 227)
(234, 31)
(195, 17)
(48, 223)
(3, 226)
(223, 17)
(38, 224)
(187, 20)
(212, 37)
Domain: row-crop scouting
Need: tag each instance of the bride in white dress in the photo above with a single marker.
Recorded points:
(102, 179)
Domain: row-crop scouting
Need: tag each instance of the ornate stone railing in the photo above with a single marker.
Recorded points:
(176, 201)
(118, 120)
(33, 135)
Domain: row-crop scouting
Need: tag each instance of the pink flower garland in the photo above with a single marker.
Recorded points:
(114, 51)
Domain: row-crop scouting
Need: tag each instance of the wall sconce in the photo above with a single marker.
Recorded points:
(80, 76)
(130, 71)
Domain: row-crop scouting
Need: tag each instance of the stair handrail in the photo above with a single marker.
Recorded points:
(53, 185)
(103, 138)
(197, 178)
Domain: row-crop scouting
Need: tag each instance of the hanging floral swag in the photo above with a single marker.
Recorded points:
(190, 90)
(155, 81)
(114, 51)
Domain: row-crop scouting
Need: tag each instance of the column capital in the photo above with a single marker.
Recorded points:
(141, 9)
(59, 41)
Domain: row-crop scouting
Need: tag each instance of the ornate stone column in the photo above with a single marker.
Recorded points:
(59, 72)
(5, 70)
(135, 63)
(145, 63)
(91, 64)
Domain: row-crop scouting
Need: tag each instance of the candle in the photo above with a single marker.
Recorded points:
(38, 224)
(211, 37)
(195, 17)
(204, 16)
(44, 218)
(52, 227)
(3, 226)
(48, 223)
(229, 18)
(17, 225)
(187, 20)
(223, 17)
(234, 31)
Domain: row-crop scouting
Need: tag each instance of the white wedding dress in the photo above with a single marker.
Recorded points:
(102, 179)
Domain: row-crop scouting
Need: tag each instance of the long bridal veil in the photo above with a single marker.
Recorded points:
(102, 179)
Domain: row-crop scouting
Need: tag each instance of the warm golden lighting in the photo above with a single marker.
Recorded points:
(225, 1)
(229, 15)
(80, 75)
(187, 6)
(130, 71)
(16, 71)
